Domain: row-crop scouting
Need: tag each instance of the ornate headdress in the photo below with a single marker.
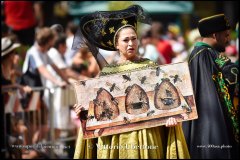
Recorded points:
(99, 29)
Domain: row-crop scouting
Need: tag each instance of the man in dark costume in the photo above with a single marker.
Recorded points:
(215, 134)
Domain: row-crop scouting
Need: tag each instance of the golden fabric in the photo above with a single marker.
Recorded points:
(126, 67)
(151, 143)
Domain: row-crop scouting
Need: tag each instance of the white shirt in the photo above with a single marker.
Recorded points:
(150, 52)
(69, 52)
(56, 58)
(37, 59)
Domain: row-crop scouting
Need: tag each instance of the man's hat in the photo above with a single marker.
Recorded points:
(213, 24)
(101, 28)
(7, 46)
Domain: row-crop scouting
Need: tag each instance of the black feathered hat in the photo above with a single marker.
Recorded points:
(213, 24)
(101, 28)
(102, 31)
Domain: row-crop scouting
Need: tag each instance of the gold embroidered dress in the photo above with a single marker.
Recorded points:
(151, 143)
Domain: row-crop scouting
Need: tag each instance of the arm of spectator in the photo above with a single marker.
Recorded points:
(23, 89)
(43, 71)
(60, 72)
(9, 86)
(72, 74)
(93, 69)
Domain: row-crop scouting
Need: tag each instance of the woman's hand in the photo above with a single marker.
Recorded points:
(171, 122)
(77, 109)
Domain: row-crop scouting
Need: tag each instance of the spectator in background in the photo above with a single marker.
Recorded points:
(193, 37)
(16, 71)
(231, 51)
(61, 113)
(148, 50)
(19, 137)
(37, 58)
(71, 29)
(85, 63)
(36, 62)
(45, 13)
(177, 43)
(20, 18)
(58, 51)
(8, 51)
(59, 59)
(163, 46)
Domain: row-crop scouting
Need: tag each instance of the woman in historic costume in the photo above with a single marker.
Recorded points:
(117, 30)
(215, 134)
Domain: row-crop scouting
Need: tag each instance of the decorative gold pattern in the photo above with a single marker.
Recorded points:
(225, 98)
(109, 43)
(124, 22)
(103, 32)
(103, 44)
(221, 60)
(107, 31)
(211, 17)
(127, 67)
(104, 21)
(111, 30)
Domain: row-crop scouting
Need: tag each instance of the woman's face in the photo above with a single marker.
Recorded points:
(127, 42)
